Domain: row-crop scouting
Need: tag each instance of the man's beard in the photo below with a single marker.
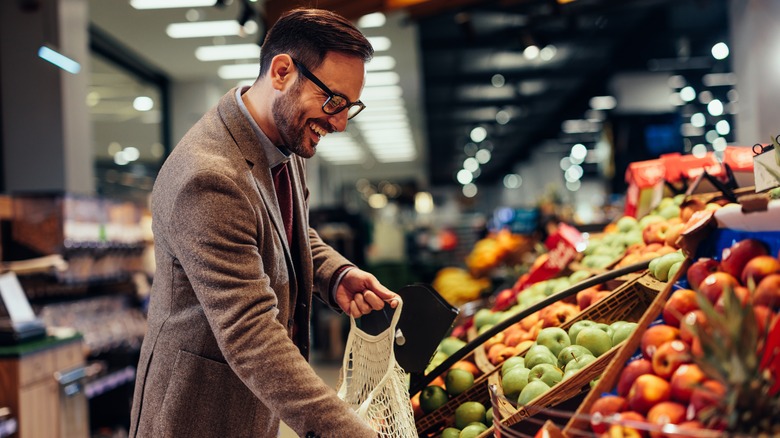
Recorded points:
(292, 130)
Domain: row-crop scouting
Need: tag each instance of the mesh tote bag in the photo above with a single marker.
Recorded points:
(374, 384)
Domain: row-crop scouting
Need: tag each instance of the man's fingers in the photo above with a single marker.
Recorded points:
(373, 300)
(360, 301)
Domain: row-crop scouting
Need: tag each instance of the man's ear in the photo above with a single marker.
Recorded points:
(282, 72)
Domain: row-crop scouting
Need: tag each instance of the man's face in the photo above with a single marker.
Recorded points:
(298, 112)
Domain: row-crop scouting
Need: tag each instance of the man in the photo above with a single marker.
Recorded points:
(225, 353)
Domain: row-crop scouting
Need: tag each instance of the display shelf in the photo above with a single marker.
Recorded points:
(103, 384)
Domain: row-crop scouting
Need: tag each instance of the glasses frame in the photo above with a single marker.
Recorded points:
(310, 76)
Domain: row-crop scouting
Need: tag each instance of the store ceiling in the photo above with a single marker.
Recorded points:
(463, 45)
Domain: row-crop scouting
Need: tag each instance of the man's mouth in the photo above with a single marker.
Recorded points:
(317, 129)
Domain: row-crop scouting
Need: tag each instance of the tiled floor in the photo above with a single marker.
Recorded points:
(330, 374)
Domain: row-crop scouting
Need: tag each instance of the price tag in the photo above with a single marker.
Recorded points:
(15, 300)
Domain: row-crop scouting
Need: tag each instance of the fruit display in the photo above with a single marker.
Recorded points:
(458, 286)
(496, 249)
(711, 359)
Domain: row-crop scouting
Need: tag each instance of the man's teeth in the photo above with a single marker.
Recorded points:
(319, 131)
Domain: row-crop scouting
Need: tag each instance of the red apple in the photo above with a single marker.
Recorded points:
(557, 313)
(764, 317)
(713, 285)
(673, 233)
(694, 318)
(709, 393)
(655, 232)
(684, 380)
(699, 270)
(759, 267)
(630, 372)
(656, 335)
(629, 424)
(767, 292)
(604, 407)
(667, 412)
(585, 296)
(678, 305)
(647, 391)
(735, 258)
(669, 356)
(505, 299)
(690, 206)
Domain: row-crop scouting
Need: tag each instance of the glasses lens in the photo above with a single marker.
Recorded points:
(354, 110)
(334, 104)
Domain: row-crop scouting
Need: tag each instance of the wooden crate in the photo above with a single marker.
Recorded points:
(608, 380)
(630, 302)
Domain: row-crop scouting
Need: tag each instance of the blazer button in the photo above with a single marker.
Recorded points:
(311, 434)
(290, 323)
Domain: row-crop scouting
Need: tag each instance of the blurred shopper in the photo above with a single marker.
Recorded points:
(226, 350)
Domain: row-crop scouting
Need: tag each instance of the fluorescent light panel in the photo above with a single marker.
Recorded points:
(239, 71)
(228, 51)
(376, 19)
(59, 60)
(168, 4)
(379, 79)
(381, 63)
(203, 29)
(380, 43)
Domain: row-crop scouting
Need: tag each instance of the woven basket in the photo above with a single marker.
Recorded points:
(579, 421)
(629, 302)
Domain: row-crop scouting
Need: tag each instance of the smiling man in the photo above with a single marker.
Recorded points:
(226, 351)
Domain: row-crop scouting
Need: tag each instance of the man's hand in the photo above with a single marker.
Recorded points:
(360, 293)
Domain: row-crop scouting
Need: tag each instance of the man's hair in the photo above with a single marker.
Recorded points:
(309, 34)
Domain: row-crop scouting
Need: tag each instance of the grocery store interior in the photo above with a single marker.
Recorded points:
(504, 145)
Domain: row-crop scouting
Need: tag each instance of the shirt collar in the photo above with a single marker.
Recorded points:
(275, 155)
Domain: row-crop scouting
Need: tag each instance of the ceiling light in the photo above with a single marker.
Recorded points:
(548, 52)
(715, 107)
(573, 186)
(114, 148)
(676, 81)
(578, 153)
(143, 103)
(531, 52)
(471, 164)
(423, 203)
(498, 80)
(229, 51)
(48, 54)
(385, 92)
(603, 102)
(579, 126)
(719, 79)
(376, 19)
(131, 153)
(733, 95)
(720, 51)
(573, 173)
(464, 176)
(688, 94)
(513, 181)
(378, 79)
(483, 156)
(531, 87)
(167, 4)
(565, 163)
(502, 117)
(719, 144)
(204, 29)
(470, 190)
(377, 200)
(698, 120)
(366, 117)
(119, 159)
(340, 148)
(379, 63)
(478, 134)
(380, 43)
(690, 130)
(705, 97)
(699, 151)
(711, 135)
(723, 127)
(239, 71)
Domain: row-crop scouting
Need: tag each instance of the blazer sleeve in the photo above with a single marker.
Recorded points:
(214, 229)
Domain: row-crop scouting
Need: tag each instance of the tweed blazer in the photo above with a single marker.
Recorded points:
(220, 357)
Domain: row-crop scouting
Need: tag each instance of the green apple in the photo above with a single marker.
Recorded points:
(549, 374)
(673, 270)
(578, 276)
(472, 430)
(605, 327)
(514, 381)
(512, 362)
(433, 397)
(482, 317)
(595, 340)
(580, 362)
(484, 328)
(450, 345)
(650, 219)
(531, 391)
(539, 354)
(571, 352)
(622, 332)
(577, 326)
(489, 417)
(458, 381)
(496, 317)
(670, 211)
(450, 432)
(664, 263)
(469, 412)
(554, 338)
(626, 224)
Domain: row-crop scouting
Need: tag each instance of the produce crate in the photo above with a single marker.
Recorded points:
(480, 356)
(630, 302)
(579, 421)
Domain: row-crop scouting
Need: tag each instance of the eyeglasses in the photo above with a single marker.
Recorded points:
(335, 103)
